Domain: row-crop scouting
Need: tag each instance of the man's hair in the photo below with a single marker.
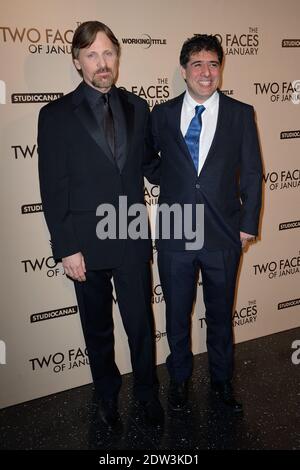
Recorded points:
(86, 34)
(198, 43)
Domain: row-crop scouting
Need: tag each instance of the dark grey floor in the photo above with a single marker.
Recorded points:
(266, 381)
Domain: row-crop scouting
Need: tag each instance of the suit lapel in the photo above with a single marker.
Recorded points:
(175, 121)
(222, 121)
(84, 113)
(128, 111)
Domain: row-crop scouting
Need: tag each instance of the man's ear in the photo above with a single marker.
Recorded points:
(183, 72)
(77, 64)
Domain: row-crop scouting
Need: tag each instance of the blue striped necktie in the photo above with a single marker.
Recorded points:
(192, 135)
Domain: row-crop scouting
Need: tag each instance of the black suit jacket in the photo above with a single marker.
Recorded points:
(78, 173)
(229, 184)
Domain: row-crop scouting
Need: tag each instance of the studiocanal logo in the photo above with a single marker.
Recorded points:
(31, 208)
(290, 43)
(40, 97)
(245, 315)
(290, 134)
(289, 225)
(145, 41)
(279, 91)
(39, 40)
(288, 304)
(278, 268)
(61, 361)
(153, 93)
(284, 179)
(52, 314)
(240, 43)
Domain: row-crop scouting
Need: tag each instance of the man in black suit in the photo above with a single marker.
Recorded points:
(209, 155)
(92, 151)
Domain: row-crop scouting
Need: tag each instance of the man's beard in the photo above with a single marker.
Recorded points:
(103, 82)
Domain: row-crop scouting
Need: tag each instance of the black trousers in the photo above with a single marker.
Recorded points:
(178, 274)
(94, 296)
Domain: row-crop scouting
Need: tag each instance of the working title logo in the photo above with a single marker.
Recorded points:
(145, 41)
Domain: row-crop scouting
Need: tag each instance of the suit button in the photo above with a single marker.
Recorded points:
(197, 186)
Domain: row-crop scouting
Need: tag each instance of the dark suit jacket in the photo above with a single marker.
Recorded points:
(77, 173)
(229, 184)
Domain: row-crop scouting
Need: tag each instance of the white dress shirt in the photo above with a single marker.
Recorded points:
(209, 122)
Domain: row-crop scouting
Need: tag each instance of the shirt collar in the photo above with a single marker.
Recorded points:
(93, 95)
(209, 103)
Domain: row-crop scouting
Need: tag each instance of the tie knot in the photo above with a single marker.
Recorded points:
(199, 110)
(105, 98)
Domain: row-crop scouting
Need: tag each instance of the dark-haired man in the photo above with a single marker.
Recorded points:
(91, 152)
(209, 155)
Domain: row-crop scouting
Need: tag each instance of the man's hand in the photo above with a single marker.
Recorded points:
(74, 267)
(245, 238)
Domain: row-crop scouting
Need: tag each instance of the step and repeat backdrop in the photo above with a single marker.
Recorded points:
(42, 350)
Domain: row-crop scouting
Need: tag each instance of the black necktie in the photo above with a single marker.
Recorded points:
(108, 123)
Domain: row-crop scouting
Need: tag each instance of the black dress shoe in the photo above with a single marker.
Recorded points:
(108, 412)
(153, 411)
(224, 392)
(177, 395)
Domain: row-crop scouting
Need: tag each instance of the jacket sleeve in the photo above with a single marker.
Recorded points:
(54, 184)
(250, 175)
(152, 161)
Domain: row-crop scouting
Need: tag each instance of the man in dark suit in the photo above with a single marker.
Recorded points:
(209, 155)
(92, 151)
